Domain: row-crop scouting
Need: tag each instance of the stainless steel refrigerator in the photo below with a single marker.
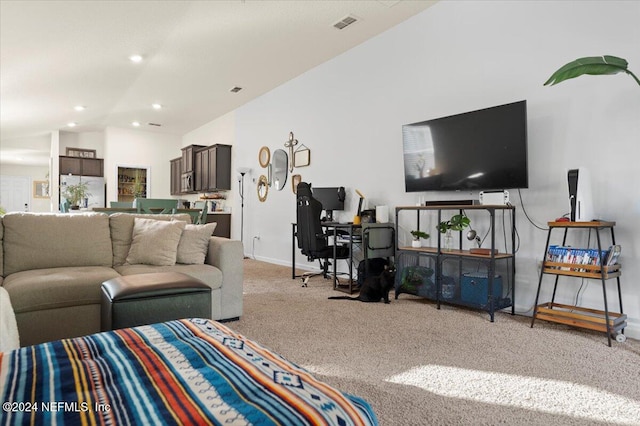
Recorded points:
(95, 186)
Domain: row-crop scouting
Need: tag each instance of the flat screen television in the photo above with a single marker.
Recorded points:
(478, 150)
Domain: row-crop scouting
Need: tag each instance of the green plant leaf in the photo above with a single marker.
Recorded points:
(457, 223)
(592, 65)
(419, 234)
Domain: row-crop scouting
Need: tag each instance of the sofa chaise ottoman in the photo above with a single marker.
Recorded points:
(143, 299)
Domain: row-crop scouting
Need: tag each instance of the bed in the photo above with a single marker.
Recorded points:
(191, 371)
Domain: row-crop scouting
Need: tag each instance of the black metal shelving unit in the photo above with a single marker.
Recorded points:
(438, 256)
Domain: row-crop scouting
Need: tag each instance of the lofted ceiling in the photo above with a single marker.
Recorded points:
(55, 55)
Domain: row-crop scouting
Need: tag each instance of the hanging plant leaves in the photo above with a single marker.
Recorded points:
(592, 65)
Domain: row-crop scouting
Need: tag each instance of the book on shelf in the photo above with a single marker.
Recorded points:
(581, 256)
(613, 255)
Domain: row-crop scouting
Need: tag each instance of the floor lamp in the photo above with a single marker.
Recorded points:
(243, 171)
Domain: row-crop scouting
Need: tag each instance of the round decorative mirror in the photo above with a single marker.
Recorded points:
(279, 169)
(263, 188)
(264, 156)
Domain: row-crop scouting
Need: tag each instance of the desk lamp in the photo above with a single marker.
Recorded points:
(356, 219)
(473, 235)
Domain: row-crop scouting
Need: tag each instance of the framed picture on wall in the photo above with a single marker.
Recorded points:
(40, 189)
(79, 152)
(302, 157)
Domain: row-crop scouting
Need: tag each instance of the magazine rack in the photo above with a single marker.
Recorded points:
(611, 323)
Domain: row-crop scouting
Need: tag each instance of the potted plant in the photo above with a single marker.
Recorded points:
(457, 223)
(139, 190)
(75, 194)
(417, 234)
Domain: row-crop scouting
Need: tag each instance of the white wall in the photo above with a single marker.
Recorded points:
(455, 57)
(137, 148)
(219, 131)
(33, 173)
(84, 140)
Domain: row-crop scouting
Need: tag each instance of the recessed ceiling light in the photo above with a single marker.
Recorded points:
(72, 124)
(135, 123)
(135, 58)
(156, 106)
(79, 107)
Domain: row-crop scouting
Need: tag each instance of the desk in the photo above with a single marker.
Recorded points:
(347, 238)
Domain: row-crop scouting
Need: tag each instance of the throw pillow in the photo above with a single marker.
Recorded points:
(155, 242)
(194, 243)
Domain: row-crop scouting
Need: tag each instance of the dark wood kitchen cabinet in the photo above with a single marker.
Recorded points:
(209, 169)
(81, 166)
(219, 167)
(176, 172)
(188, 157)
(188, 174)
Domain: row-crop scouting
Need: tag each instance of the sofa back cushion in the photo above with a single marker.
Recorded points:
(121, 225)
(52, 240)
(155, 242)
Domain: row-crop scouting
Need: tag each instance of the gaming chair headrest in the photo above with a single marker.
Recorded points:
(303, 190)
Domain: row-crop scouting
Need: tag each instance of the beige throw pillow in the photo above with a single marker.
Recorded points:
(194, 243)
(155, 242)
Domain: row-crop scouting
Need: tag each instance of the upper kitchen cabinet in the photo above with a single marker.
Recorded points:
(207, 169)
(81, 166)
(187, 180)
(219, 167)
(176, 174)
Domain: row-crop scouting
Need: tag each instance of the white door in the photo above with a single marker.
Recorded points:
(15, 193)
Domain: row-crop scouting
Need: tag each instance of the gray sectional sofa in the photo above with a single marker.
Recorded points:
(53, 265)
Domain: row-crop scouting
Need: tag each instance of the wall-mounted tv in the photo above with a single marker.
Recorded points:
(478, 150)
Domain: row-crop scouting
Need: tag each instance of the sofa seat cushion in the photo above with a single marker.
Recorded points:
(208, 274)
(53, 288)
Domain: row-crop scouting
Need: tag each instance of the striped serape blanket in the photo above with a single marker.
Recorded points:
(190, 372)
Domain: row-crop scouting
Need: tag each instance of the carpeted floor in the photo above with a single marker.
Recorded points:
(417, 365)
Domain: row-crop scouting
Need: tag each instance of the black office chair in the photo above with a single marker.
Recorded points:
(312, 240)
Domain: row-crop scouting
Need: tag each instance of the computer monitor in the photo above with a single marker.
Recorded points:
(332, 198)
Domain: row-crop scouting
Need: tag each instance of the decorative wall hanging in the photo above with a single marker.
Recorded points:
(40, 189)
(295, 180)
(263, 188)
(302, 156)
(278, 175)
(83, 153)
(291, 143)
(264, 156)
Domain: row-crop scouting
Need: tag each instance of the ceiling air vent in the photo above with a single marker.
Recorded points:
(235, 89)
(154, 124)
(345, 22)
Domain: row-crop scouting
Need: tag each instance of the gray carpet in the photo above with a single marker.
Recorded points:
(417, 365)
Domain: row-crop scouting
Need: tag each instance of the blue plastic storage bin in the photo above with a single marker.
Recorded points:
(475, 288)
